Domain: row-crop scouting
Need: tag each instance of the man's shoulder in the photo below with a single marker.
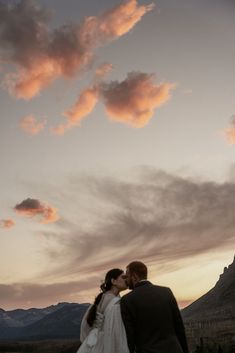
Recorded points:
(162, 288)
(150, 287)
(166, 291)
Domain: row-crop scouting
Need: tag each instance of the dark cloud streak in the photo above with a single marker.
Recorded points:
(162, 219)
(158, 217)
(17, 295)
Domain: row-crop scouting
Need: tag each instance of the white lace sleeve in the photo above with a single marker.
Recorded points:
(85, 328)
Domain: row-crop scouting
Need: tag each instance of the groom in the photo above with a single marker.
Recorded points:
(151, 315)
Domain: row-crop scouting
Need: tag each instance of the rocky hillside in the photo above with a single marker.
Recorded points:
(210, 320)
(218, 303)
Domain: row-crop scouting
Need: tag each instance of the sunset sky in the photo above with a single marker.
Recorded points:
(117, 144)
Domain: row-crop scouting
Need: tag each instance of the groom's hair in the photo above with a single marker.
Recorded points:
(139, 268)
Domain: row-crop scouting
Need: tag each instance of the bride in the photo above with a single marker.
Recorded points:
(102, 329)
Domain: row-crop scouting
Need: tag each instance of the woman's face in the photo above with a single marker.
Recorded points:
(120, 282)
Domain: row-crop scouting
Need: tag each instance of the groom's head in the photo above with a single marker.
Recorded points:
(135, 272)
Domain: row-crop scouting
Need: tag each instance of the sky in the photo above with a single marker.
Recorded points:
(116, 144)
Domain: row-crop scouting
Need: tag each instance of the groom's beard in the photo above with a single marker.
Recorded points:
(130, 284)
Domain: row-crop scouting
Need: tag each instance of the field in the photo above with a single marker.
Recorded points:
(49, 346)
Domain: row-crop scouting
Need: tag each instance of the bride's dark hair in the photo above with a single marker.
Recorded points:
(105, 286)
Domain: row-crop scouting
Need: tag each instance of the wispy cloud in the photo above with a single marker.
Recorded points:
(32, 207)
(162, 219)
(6, 223)
(131, 101)
(19, 295)
(157, 217)
(229, 133)
(28, 295)
(41, 55)
(83, 107)
(103, 69)
(31, 126)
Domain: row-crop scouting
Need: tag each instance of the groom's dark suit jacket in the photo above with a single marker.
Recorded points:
(152, 320)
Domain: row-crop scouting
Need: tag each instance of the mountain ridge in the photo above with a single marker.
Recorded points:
(218, 302)
(58, 321)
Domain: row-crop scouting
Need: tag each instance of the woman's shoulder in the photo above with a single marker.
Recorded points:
(112, 303)
(106, 299)
(111, 297)
(109, 294)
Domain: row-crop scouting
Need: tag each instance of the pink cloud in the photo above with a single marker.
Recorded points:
(114, 23)
(6, 223)
(132, 101)
(103, 70)
(33, 207)
(41, 55)
(229, 133)
(84, 106)
(31, 126)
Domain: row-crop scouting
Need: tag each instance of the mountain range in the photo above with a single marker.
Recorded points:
(212, 315)
(54, 322)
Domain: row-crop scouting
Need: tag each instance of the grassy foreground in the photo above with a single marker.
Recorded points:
(48, 346)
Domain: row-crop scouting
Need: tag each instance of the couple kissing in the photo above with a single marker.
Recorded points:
(145, 320)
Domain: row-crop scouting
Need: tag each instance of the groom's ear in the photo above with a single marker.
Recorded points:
(135, 276)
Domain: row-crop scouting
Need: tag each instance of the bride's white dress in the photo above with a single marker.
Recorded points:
(107, 335)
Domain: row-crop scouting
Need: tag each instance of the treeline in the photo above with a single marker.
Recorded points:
(214, 347)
